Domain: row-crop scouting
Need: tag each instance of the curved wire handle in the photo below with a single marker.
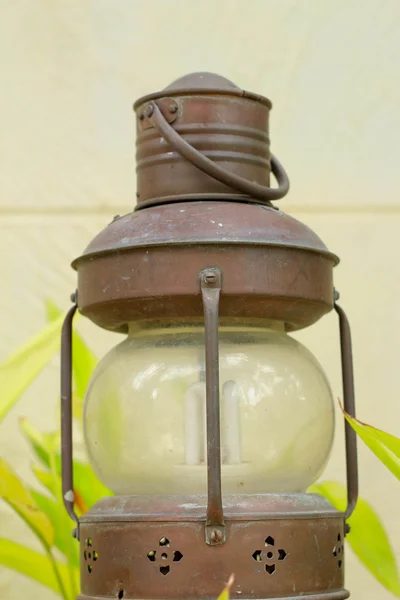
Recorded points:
(211, 168)
(66, 415)
(350, 409)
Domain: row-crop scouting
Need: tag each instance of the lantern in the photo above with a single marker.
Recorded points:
(209, 421)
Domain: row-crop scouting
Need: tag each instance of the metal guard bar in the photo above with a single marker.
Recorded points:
(350, 409)
(215, 532)
(66, 415)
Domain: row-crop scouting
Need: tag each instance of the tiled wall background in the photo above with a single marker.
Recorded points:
(69, 72)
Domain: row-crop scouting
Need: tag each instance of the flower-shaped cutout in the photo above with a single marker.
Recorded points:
(90, 555)
(338, 551)
(270, 555)
(164, 556)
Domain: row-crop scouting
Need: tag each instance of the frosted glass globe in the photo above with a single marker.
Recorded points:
(144, 413)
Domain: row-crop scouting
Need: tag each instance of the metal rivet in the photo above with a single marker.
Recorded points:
(149, 111)
(216, 536)
(172, 108)
(210, 277)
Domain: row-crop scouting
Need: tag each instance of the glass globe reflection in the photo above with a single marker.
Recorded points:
(144, 413)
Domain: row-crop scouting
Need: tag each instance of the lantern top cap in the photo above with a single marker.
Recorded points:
(203, 80)
(203, 83)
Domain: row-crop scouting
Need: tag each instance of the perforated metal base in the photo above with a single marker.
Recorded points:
(278, 546)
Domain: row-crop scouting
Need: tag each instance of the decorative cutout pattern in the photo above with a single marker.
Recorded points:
(162, 557)
(338, 551)
(270, 569)
(269, 554)
(90, 556)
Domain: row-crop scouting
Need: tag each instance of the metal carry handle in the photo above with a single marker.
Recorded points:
(350, 408)
(211, 168)
(66, 415)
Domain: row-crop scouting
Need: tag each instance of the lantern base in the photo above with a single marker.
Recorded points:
(342, 595)
(277, 546)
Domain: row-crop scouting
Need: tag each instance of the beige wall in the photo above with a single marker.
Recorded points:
(69, 72)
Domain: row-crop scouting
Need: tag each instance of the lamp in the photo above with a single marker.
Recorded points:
(209, 421)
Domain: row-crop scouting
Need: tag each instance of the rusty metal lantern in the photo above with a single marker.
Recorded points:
(210, 263)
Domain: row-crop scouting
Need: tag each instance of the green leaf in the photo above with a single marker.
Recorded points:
(88, 489)
(367, 537)
(41, 443)
(19, 370)
(19, 498)
(34, 565)
(84, 361)
(45, 447)
(224, 595)
(53, 312)
(58, 516)
(384, 445)
(46, 478)
(87, 485)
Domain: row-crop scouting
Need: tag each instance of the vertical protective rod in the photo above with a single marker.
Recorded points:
(350, 409)
(211, 280)
(66, 414)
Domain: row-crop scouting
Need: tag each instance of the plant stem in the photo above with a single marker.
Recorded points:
(63, 591)
(67, 534)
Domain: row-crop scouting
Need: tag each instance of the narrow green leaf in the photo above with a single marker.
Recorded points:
(53, 312)
(384, 445)
(224, 595)
(58, 516)
(19, 498)
(32, 564)
(367, 537)
(84, 361)
(70, 547)
(86, 485)
(88, 489)
(45, 478)
(19, 370)
(41, 443)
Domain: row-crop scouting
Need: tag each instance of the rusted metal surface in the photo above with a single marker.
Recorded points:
(168, 107)
(237, 507)
(196, 158)
(271, 558)
(202, 83)
(211, 283)
(66, 415)
(215, 119)
(149, 265)
(340, 595)
(349, 405)
(192, 223)
(290, 286)
(146, 265)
